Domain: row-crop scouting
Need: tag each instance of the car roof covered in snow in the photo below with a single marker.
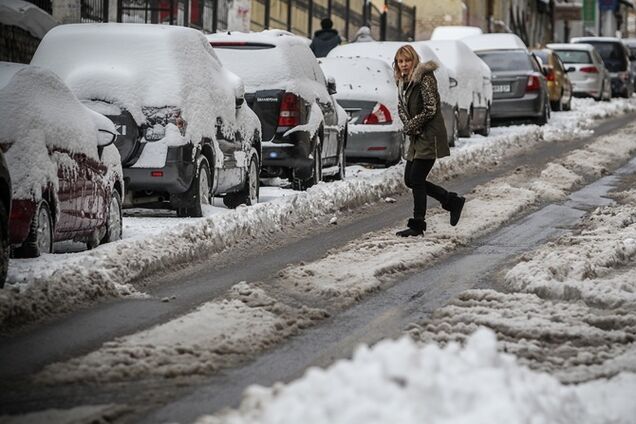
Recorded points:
(495, 42)
(454, 32)
(39, 111)
(456, 56)
(143, 65)
(384, 50)
(361, 78)
(593, 39)
(271, 59)
(570, 46)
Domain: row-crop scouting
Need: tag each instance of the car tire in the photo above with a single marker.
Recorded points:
(114, 223)
(485, 131)
(568, 106)
(545, 116)
(342, 161)
(40, 238)
(199, 192)
(466, 130)
(250, 193)
(316, 171)
(454, 130)
(4, 247)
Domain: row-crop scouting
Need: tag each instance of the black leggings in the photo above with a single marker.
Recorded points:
(415, 174)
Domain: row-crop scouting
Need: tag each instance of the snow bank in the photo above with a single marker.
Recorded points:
(401, 382)
(40, 287)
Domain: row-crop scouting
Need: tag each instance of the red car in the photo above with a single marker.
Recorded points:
(66, 173)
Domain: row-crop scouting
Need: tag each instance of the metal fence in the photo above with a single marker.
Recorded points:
(94, 10)
(45, 5)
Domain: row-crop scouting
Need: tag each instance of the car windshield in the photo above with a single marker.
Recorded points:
(612, 54)
(574, 56)
(506, 60)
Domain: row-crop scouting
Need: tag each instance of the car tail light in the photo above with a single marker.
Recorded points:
(589, 70)
(156, 173)
(289, 115)
(551, 76)
(534, 83)
(379, 115)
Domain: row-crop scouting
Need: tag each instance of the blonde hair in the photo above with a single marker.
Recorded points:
(409, 52)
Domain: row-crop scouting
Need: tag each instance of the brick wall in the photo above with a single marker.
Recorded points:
(16, 44)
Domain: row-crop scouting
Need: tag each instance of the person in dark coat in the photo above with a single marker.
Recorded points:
(419, 107)
(325, 39)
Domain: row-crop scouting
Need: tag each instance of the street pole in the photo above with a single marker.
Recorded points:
(383, 21)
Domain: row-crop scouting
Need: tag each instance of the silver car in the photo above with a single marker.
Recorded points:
(366, 90)
(615, 55)
(631, 46)
(589, 76)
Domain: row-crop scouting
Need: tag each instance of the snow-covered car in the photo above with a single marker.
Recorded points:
(520, 90)
(473, 93)
(304, 129)
(366, 90)
(586, 70)
(67, 180)
(185, 134)
(454, 32)
(385, 50)
(615, 55)
(5, 210)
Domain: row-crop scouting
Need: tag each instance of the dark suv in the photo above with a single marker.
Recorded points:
(185, 134)
(5, 210)
(304, 129)
(616, 58)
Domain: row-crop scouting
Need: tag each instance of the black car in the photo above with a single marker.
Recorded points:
(5, 210)
(304, 129)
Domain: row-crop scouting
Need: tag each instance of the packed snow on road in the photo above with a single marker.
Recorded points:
(578, 288)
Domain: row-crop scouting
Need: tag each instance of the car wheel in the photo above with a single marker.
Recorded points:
(342, 162)
(40, 238)
(545, 116)
(114, 223)
(316, 171)
(485, 131)
(4, 247)
(199, 192)
(455, 129)
(399, 156)
(250, 192)
(466, 130)
(568, 105)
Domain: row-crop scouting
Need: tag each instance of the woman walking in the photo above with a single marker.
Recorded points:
(419, 109)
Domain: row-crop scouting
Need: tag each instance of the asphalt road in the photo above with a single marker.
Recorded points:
(381, 315)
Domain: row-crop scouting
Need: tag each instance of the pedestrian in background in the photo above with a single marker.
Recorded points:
(363, 35)
(325, 38)
(420, 112)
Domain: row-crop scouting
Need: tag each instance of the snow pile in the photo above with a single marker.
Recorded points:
(570, 307)
(217, 334)
(401, 382)
(582, 266)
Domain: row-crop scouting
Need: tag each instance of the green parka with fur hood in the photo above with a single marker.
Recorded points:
(420, 110)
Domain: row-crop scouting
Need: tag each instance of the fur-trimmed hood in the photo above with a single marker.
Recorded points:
(422, 69)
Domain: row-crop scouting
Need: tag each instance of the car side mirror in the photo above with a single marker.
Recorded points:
(544, 71)
(570, 69)
(331, 85)
(452, 82)
(239, 93)
(105, 137)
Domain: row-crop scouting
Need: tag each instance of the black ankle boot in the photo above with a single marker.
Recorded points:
(454, 205)
(416, 227)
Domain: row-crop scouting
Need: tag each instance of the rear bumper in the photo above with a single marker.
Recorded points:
(528, 106)
(383, 145)
(288, 154)
(175, 177)
(590, 87)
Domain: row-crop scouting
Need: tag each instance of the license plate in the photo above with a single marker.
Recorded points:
(502, 88)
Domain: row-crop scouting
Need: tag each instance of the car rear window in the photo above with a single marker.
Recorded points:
(506, 60)
(574, 56)
(612, 54)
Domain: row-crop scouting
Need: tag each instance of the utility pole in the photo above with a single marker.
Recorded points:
(383, 20)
